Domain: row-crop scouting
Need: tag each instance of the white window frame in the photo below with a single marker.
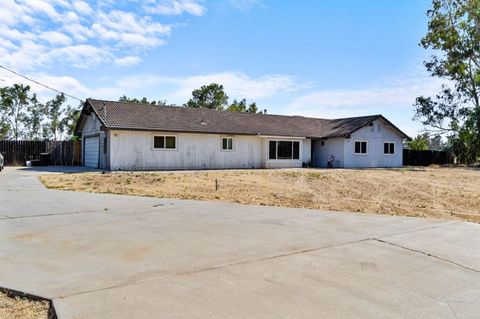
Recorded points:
(394, 148)
(226, 149)
(164, 142)
(276, 150)
(360, 141)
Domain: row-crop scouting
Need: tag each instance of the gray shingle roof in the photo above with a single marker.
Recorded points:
(124, 115)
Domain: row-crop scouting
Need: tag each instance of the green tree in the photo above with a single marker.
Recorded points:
(4, 129)
(210, 96)
(34, 119)
(454, 38)
(419, 143)
(14, 102)
(144, 100)
(242, 107)
(69, 120)
(54, 114)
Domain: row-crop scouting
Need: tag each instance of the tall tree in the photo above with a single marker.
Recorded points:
(144, 100)
(69, 120)
(454, 38)
(210, 96)
(14, 102)
(54, 115)
(242, 107)
(34, 119)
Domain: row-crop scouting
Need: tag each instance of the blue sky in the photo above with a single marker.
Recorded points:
(323, 58)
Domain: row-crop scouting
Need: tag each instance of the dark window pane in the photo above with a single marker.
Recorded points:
(296, 150)
(272, 150)
(284, 150)
(385, 148)
(227, 143)
(224, 143)
(392, 148)
(158, 141)
(170, 141)
(364, 147)
(357, 147)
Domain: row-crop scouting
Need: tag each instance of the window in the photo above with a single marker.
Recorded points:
(272, 150)
(281, 150)
(389, 148)
(360, 147)
(165, 142)
(227, 143)
(284, 150)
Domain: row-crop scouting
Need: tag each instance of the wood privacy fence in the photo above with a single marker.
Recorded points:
(17, 153)
(425, 158)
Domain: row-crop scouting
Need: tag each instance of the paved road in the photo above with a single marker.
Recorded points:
(110, 256)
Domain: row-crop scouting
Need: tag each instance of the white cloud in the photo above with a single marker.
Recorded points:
(237, 85)
(128, 61)
(82, 7)
(55, 38)
(176, 7)
(80, 29)
(399, 93)
(42, 7)
(81, 56)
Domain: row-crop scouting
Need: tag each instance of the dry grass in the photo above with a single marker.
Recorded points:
(20, 308)
(425, 192)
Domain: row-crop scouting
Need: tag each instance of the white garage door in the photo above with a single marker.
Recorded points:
(91, 151)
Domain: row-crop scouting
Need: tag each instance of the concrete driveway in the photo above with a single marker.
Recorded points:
(110, 256)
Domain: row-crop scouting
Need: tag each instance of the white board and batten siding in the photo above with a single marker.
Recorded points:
(133, 150)
(343, 149)
(376, 135)
(322, 149)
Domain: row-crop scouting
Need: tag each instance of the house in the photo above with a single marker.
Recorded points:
(128, 136)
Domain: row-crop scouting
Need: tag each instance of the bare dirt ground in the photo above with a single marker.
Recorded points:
(20, 308)
(422, 192)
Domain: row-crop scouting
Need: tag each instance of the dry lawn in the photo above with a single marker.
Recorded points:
(425, 192)
(20, 308)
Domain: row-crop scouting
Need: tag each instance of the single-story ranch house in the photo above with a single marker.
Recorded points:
(129, 136)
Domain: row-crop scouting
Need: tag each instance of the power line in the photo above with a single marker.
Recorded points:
(41, 84)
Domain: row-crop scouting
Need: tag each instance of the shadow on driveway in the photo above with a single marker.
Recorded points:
(56, 169)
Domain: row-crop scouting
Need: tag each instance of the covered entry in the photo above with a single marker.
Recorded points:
(91, 151)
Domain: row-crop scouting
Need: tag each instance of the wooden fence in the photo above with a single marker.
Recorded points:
(17, 153)
(425, 158)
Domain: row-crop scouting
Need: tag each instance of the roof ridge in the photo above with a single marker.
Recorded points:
(206, 109)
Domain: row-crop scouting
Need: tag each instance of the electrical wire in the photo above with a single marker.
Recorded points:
(41, 84)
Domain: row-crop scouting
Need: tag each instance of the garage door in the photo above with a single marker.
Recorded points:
(91, 151)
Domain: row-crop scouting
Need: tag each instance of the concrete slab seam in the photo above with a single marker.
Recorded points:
(426, 254)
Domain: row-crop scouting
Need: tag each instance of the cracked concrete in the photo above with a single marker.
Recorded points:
(110, 256)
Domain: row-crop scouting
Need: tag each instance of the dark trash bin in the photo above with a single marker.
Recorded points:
(44, 159)
(35, 163)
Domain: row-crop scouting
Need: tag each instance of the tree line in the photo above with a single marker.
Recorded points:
(22, 116)
(211, 96)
